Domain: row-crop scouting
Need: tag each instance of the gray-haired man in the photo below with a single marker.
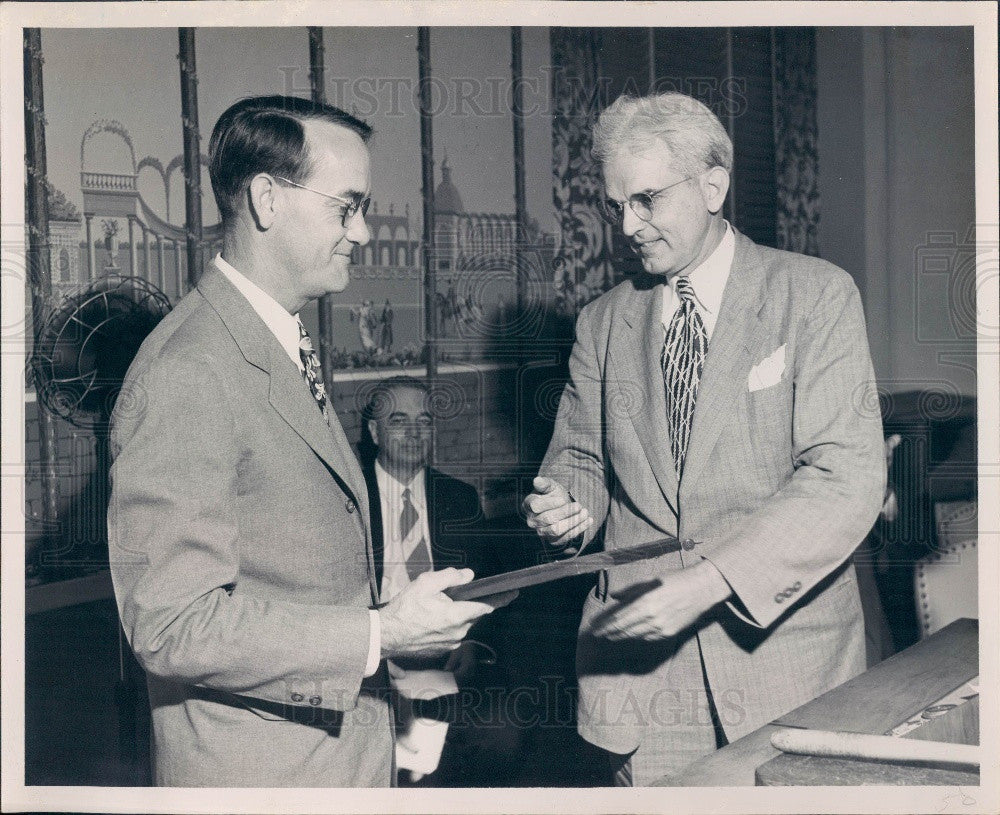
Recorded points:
(720, 396)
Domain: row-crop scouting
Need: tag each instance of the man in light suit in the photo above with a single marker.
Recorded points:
(239, 527)
(725, 395)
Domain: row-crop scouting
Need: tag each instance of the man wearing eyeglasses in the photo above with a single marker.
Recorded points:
(239, 520)
(723, 396)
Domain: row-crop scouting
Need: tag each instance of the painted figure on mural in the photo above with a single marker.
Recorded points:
(110, 227)
(385, 328)
(367, 325)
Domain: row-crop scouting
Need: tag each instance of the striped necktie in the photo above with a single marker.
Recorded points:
(682, 359)
(418, 561)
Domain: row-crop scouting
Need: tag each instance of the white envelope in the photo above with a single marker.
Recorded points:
(429, 684)
(419, 747)
(767, 372)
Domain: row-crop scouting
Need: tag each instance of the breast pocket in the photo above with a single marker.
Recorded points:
(765, 432)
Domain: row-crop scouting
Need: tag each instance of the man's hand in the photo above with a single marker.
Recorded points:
(675, 602)
(462, 661)
(552, 513)
(422, 621)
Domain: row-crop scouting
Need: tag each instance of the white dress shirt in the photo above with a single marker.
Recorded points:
(708, 281)
(285, 328)
(283, 325)
(396, 547)
(419, 741)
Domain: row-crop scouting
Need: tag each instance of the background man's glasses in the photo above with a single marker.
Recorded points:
(351, 206)
(641, 203)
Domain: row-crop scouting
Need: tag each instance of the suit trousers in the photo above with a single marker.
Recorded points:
(685, 704)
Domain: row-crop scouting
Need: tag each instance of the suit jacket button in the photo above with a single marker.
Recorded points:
(315, 700)
(779, 598)
(687, 544)
(297, 697)
(796, 586)
(350, 506)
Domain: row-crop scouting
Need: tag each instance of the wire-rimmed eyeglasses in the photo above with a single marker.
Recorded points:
(351, 206)
(641, 203)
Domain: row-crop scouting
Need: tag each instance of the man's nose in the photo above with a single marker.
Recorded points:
(631, 223)
(357, 229)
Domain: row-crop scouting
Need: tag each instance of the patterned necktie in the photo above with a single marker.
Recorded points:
(682, 358)
(418, 561)
(311, 369)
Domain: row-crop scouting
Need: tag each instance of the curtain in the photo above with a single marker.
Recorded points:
(582, 266)
(776, 139)
(795, 139)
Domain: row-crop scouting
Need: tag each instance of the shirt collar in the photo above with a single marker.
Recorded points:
(283, 325)
(708, 281)
(390, 486)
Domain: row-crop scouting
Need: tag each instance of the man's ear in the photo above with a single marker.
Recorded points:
(714, 186)
(373, 431)
(261, 200)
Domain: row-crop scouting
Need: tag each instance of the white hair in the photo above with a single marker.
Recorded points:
(693, 134)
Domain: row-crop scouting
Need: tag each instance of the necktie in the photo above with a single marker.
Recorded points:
(682, 359)
(418, 561)
(311, 369)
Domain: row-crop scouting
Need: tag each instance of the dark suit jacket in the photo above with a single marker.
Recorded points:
(455, 517)
(458, 539)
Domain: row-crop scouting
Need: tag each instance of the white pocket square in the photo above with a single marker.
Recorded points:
(767, 372)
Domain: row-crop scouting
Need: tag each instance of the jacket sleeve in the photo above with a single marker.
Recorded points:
(814, 523)
(576, 454)
(175, 555)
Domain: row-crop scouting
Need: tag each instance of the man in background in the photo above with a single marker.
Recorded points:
(239, 528)
(724, 396)
(422, 520)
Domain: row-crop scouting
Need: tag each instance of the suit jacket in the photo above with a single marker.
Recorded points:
(454, 511)
(241, 559)
(783, 478)
(455, 521)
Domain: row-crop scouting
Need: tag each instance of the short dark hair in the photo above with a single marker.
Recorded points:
(379, 405)
(264, 134)
(380, 400)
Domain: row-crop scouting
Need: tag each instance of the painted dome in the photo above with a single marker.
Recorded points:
(447, 201)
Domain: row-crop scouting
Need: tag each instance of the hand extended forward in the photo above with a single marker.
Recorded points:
(422, 621)
(551, 511)
(663, 607)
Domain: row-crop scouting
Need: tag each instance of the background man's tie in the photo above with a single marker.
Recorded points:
(682, 358)
(312, 370)
(418, 560)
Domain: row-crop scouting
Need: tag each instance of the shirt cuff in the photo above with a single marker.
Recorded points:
(374, 643)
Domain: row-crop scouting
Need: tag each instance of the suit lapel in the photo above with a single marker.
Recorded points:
(288, 394)
(432, 484)
(636, 354)
(378, 529)
(731, 351)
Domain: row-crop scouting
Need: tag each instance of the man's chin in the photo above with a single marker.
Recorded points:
(340, 274)
(658, 263)
(652, 265)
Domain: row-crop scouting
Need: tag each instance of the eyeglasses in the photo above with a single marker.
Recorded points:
(641, 203)
(351, 206)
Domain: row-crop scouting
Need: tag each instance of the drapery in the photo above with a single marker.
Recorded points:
(796, 160)
(582, 265)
